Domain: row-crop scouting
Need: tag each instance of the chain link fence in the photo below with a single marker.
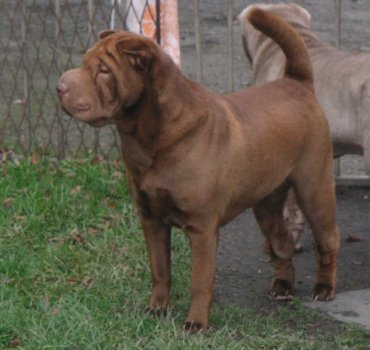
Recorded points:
(40, 39)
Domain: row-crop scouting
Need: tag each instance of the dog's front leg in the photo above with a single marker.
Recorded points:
(203, 250)
(158, 239)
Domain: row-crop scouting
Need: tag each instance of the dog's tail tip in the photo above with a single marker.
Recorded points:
(246, 13)
(255, 14)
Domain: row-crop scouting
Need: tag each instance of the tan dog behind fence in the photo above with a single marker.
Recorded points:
(196, 159)
(341, 81)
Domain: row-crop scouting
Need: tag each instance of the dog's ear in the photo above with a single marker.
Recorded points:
(106, 33)
(139, 51)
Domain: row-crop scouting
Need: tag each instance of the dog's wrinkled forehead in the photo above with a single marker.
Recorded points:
(101, 48)
(116, 44)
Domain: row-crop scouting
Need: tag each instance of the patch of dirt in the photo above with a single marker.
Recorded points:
(244, 273)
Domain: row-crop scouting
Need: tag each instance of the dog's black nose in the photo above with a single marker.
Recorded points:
(62, 89)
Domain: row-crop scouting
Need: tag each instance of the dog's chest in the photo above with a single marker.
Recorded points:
(159, 204)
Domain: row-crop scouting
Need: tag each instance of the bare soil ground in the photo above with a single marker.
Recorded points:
(243, 271)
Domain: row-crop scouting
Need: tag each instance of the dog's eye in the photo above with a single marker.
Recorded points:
(103, 69)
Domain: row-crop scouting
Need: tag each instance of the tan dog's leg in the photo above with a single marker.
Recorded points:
(203, 250)
(316, 197)
(158, 239)
(279, 242)
(295, 221)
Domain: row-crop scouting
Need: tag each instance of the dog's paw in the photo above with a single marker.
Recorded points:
(157, 311)
(194, 327)
(281, 290)
(323, 292)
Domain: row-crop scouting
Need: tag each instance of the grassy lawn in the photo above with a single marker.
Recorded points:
(74, 274)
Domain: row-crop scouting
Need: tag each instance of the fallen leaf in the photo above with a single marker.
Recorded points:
(70, 174)
(35, 157)
(58, 239)
(117, 163)
(87, 282)
(93, 231)
(97, 160)
(112, 204)
(8, 155)
(123, 251)
(107, 222)
(76, 189)
(14, 343)
(7, 202)
(78, 237)
(19, 101)
(71, 280)
(354, 238)
(19, 218)
(54, 312)
(7, 281)
(113, 247)
(117, 175)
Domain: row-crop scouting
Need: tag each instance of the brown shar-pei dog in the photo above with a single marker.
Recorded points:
(196, 159)
(341, 81)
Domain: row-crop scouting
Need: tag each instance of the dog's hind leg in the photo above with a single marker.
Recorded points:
(295, 221)
(316, 197)
(279, 242)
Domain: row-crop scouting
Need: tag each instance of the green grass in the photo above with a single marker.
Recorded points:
(74, 274)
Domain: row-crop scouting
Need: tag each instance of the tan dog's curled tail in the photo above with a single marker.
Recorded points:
(298, 64)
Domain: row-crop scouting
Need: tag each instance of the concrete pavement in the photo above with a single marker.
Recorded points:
(352, 307)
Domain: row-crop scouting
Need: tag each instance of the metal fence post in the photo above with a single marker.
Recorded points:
(338, 24)
(26, 110)
(62, 144)
(113, 13)
(230, 45)
(198, 41)
(90, 11)
(158, 20)
(118, 6)
(57, 24)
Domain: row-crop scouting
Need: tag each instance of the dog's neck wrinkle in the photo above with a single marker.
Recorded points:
(176, 87)
(138, 127)
(140, 120)
(180, 109)
(165, 114)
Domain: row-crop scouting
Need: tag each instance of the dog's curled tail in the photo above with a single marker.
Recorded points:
(298, 63)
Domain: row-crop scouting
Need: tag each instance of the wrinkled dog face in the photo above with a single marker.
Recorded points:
(110, 79)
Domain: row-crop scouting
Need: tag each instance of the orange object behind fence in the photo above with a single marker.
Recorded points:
(169, 30)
